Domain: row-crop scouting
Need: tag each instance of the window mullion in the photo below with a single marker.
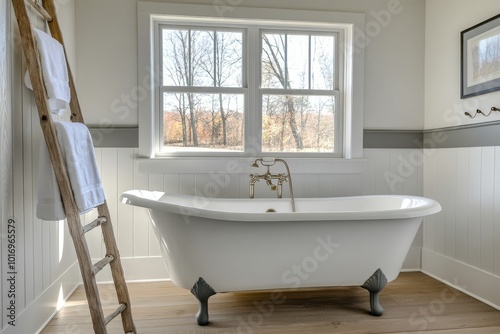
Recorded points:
(312, 92)
(202, 90)
(253, 110)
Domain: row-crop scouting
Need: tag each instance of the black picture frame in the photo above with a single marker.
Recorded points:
(477, 43)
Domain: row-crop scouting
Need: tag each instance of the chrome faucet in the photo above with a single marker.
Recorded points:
(269, 177)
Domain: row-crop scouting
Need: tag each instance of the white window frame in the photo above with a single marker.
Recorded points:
(158, 134)
(353, 78)
(336, 93)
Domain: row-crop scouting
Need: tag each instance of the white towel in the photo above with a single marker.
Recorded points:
(54, 71)
(78, 153)
(49, 206)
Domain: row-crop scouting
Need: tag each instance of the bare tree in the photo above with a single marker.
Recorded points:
(220, 67)
(274, 59)
(180, 67)
(321, 54)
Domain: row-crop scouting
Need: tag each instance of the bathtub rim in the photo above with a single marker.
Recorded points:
(151, 200)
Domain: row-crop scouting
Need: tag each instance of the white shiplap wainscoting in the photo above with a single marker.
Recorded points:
(136, 240)
(462, 243)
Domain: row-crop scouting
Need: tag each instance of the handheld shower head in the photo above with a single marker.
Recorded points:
(266, 161)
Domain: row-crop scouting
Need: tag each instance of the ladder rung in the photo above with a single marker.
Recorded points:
(98, 222)
(113, 315)
(101, 264)
(40, 10)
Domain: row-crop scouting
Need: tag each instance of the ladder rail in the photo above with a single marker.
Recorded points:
(116, 269)
(77, 231)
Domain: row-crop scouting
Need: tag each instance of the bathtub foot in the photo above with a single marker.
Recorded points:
(374, 285)
(202, 291)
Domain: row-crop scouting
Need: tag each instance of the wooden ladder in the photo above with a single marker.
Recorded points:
(77, 231)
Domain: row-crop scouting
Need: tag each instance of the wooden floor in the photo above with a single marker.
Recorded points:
(413, 302)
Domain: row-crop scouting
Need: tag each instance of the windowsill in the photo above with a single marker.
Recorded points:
(204, 165)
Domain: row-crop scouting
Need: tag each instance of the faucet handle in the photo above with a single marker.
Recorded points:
(254, 178)
(282, 177)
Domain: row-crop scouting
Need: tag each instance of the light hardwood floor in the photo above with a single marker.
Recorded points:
(414, 302)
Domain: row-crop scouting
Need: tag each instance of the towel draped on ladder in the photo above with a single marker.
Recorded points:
(78, 153)
(54, 71)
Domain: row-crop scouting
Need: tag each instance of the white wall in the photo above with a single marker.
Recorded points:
(445, 19)
(45, 260)
(106, 32)
(462, 243)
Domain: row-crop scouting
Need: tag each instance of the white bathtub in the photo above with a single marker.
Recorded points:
(235, 245)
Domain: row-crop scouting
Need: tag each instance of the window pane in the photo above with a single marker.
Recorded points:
(175, 57)
(293, 123)
(229, 59)
(203, 121)
(322, 62)
(298, 61)
(202, 58)
(273, 61)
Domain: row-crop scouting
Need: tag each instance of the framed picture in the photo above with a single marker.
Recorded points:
(480, 65)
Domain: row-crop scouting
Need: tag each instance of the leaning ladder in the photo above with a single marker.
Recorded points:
(77, 231)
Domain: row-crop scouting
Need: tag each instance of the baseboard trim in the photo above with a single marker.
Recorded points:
(472, 281)
(413, 261)
(37, 315)
(66, 297)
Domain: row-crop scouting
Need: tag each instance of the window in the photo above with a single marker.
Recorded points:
(202, 95)
(298, 92)
(243, 86)
(204, 89)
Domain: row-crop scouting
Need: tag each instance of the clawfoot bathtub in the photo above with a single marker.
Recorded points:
(215, 245)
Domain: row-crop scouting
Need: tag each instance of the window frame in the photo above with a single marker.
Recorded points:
(349, 23)
(336, 92)
(162, 89)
